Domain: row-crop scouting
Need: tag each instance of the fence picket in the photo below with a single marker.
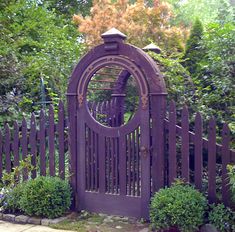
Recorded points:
(7, 148)
(61, 127)
(24, 145)
(225, 162)
(42, 145)
(172, 143)
(33, 145)
(15, 144)
(185, 144)
(212, 161)
(51, 141)
(198, 152)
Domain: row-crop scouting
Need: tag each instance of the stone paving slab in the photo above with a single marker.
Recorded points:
(11, 227)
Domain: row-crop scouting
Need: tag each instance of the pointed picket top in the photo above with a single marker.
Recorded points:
(152, 48)
(32, 120)
(113, 35)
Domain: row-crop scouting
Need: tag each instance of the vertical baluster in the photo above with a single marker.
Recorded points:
(61, 126)
(51, 141)
(172, 143)
(42, 146)
(96, 145)
(89, 159)
(133, 162)
(7, 148)
(138, 160)
(185, 144)
(123, 164)
(116, 164)
(112, 148)
(94, 106)
(212, 161)
(225, 162)
(102, 163)
(109, 163)
(33, 144)
(129, 164)
(92, 160)
(109, 113)
(198, 151)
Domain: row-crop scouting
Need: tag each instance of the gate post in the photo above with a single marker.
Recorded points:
(158, 106)
(72, 138)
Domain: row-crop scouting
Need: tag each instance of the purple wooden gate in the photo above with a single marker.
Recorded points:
(111, 171)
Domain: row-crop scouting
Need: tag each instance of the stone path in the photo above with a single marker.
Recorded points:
(10, 227)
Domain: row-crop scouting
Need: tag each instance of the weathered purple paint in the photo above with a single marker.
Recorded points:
(110, 168)
(198, 159)
(124, 158)
(212, 161)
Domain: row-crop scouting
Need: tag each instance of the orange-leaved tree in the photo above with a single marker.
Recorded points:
(138, 21)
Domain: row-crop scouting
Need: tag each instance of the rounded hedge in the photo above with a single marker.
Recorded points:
(46, 196)
(179, 206)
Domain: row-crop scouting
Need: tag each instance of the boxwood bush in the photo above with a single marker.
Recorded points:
(180, 206)
(45, 196)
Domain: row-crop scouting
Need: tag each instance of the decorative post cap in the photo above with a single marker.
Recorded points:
(113, 35)
(153, 48)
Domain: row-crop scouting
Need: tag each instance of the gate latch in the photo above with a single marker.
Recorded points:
(144, 151)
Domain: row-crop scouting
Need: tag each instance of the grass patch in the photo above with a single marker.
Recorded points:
(70, 225)
(80, 223)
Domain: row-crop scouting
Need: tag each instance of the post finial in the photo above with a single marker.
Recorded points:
(152, 48)
(113, 35)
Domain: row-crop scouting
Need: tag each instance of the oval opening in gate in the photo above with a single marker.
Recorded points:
(112, 96)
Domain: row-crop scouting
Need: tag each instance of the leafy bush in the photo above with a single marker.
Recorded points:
(231, 174)
(223, 218)
(10, 198)
(179, 206)
(46, 196)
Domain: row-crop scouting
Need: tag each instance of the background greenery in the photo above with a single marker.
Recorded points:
(40, 40)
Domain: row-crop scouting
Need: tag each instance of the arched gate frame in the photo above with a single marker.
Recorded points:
(115, 194)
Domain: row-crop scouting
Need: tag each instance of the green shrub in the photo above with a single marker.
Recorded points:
(223, 218)
(231, 174)
(46, 196)
(10, 202)
(179, 206)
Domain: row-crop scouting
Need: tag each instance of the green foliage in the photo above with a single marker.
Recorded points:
(187, 11)
(10, 180)
(10, 202)
(46, 196)
(179, 206)
(178, 81)
(35, 42)
(12, 186)
(223, 218)
(215, 81)
(231, 174)
(194, 53)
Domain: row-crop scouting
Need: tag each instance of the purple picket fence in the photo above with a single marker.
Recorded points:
(188, 155)
(45, 139)
(198, 160)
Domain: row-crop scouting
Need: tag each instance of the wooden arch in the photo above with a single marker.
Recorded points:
(100, 155)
